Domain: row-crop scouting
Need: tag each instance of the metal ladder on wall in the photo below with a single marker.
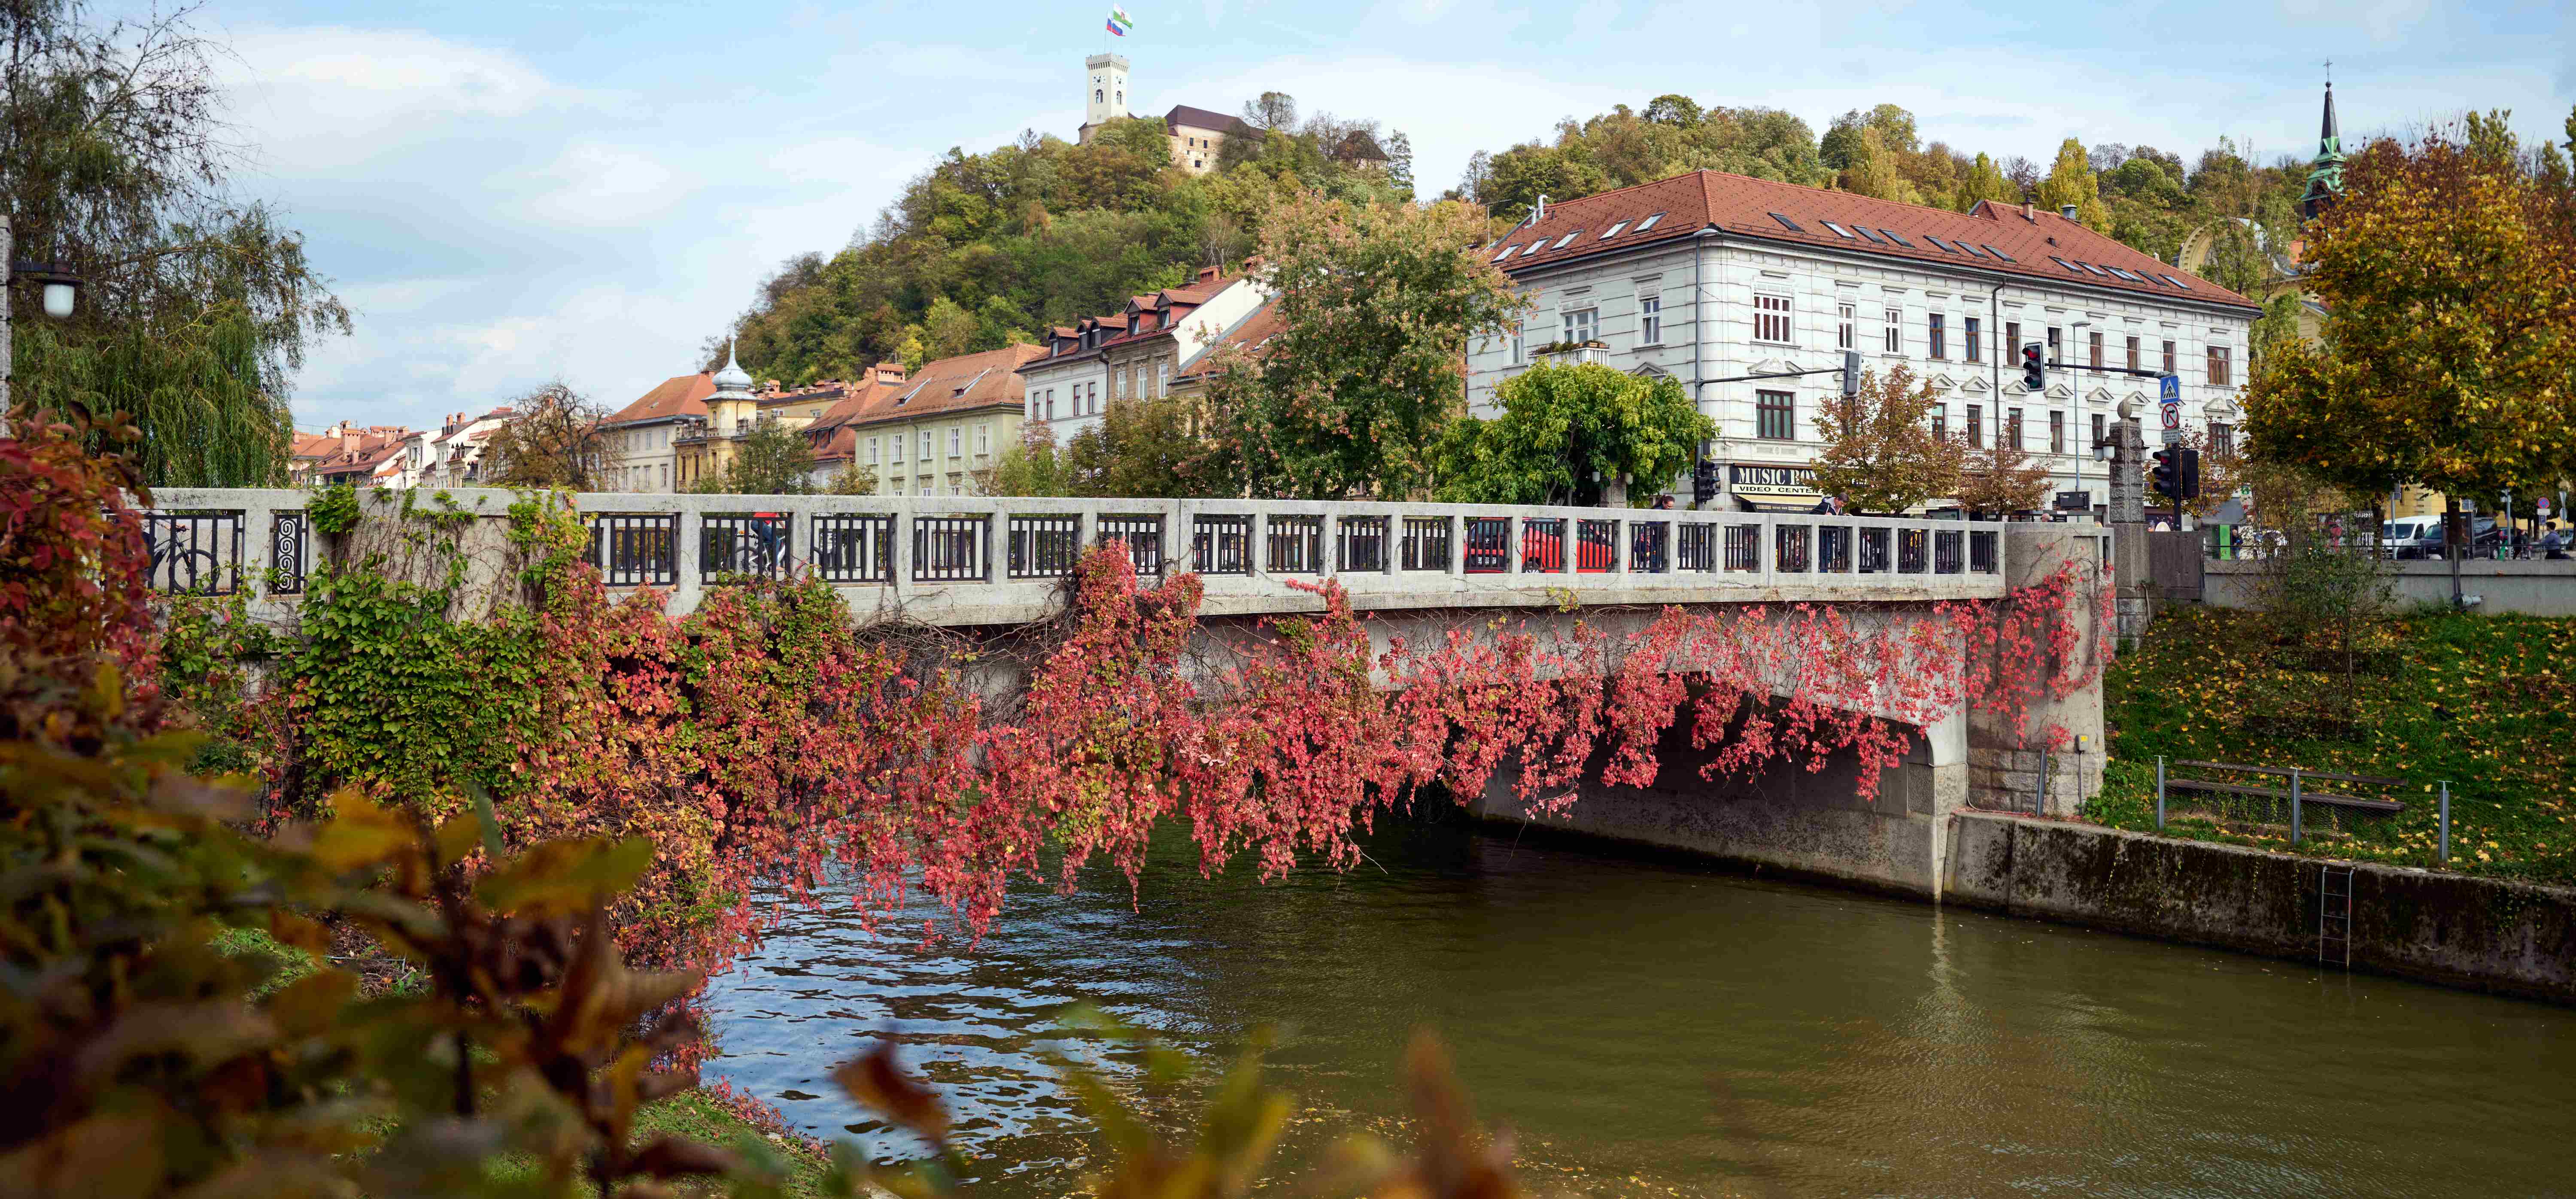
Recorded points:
(2334, 916)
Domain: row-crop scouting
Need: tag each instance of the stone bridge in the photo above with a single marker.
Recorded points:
(1418, 568)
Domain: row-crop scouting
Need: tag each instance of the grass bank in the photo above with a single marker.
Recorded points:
(2486, 702)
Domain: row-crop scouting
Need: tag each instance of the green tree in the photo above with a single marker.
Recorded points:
(1138, 449)
(1351, 397)
(1985, 181)
(1032, 467)
(1567, 432)
(2450, 361)
(771, 460)
(1874, 169)
(2071, 181)
(115, 158)
(1880, 454)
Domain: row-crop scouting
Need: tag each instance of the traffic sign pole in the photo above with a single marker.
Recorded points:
(2169, 401)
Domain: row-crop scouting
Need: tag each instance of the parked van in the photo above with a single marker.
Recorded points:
(2412, 537)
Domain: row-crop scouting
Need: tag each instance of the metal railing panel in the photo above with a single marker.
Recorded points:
(1144, 538)
(1295, 544)
(853, 547)
(952, 549)
(1648, 543)
(1426, 543)
(1489, 545)
(1360, 544)
(636, 549)
(1221, 544)
(734, 545)
(194, 552)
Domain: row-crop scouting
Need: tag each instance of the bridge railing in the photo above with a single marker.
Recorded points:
(972, 560)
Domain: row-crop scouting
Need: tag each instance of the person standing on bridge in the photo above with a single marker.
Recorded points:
(1663, 503)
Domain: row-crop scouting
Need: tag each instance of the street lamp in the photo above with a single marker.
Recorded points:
(62, 287)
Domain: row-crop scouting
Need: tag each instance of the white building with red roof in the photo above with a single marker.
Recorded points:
(1708, 276)
(1137, 352)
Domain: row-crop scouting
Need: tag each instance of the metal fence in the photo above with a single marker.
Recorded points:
(735, 545)
(854, 548)
(1044, 547)
(1144, 538)
(194, 553)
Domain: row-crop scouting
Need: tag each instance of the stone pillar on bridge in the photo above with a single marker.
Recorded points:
(2011, 768)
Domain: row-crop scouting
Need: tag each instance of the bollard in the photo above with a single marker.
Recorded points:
(2445, 856)
(2294, 805)
(2160, 793)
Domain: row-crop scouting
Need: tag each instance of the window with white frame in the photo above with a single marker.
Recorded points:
(1893, 340)
(984, 438)
(1650, 321)
(956, 441)
(1163, 377)
(872, 451)
(1518, 346)
(895, 445)
(1581, 324)
(1771, 319)
(1846, 335)
(924, 447)
(1936, 334)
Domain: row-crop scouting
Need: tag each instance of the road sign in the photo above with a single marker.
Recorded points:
(2169, 398)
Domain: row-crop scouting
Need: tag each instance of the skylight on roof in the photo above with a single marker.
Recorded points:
(1998, 253)
(1972, 250)
(2071, 268)
(1535, 247)
(2178, 283)
(1566, 240)
(1649, 222)
(2123, 274)
(2090, 267)
(1507, 251)
(1786, 223)
(1865, 231)
(1613, 231)
(1893, 236)
(1838, 229)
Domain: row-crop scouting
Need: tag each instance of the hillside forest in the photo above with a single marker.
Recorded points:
(989, 249)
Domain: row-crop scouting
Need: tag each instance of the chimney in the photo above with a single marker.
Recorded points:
(889, 372)
(2027, 214)
(1207, 274)
(2067, 211)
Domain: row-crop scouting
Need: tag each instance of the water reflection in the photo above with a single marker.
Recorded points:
(1654, 1029)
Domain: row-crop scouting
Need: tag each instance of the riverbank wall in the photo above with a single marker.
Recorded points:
(2477, 933)
(2456, 930)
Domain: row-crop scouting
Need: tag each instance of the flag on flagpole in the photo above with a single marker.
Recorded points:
(1119, 22)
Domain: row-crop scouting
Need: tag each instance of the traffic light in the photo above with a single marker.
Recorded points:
(1703, 482)
(2034, 369)
(1851, 372)
(2167, 472)
(2190, 470)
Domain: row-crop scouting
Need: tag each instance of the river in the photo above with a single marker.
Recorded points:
(1651, 1027)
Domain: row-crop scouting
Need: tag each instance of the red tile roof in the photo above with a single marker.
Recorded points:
(679, 395)
(1253, 333)
(1740, 206)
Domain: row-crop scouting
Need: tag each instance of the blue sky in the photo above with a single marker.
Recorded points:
(506, 193)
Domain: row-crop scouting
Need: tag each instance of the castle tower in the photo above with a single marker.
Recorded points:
(1104, 92)
(2325, 175)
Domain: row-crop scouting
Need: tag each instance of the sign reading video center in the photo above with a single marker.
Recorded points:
(1771, 480)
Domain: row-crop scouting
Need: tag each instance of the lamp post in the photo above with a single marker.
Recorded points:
(2075, 414)
(61, 295)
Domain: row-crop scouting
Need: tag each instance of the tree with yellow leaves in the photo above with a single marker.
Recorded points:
(1881, 455)
(2450, 360)
(2071, 181)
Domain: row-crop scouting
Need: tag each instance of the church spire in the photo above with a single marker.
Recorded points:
(2325, 174)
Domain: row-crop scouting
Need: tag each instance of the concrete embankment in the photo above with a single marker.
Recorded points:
(2482, 934)
(2475, 933)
